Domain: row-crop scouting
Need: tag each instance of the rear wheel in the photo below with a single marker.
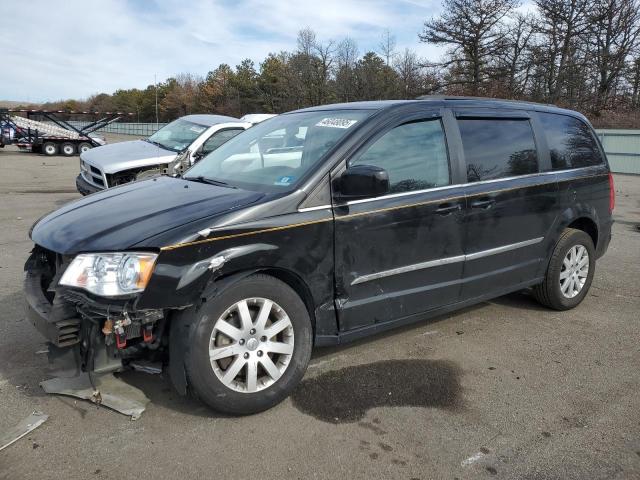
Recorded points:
(570, 271)
(84, 146)
(49, 149)
(67, 149)
(250, 346)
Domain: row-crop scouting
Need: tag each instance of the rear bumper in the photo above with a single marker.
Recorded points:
(84, 187)
(604, 239)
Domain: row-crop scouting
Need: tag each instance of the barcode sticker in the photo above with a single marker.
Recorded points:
(336, 123)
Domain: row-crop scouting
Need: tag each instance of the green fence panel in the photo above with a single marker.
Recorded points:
(623, 149)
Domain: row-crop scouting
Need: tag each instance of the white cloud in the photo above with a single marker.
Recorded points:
(75, 48)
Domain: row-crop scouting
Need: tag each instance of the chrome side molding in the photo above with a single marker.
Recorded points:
(445, 261)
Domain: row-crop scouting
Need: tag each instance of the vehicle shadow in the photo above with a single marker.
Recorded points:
(160, 391)
(522, 300)
(519, 300)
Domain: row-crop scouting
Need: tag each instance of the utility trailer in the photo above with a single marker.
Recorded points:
(52, 134)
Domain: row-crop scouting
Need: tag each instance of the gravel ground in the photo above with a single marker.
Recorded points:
(505, 389)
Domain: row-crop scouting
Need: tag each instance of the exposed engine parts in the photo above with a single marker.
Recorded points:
(105, 335)
(118, 324)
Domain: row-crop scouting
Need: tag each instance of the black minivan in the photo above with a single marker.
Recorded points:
(318, 227)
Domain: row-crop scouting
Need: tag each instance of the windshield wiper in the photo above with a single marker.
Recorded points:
(154, 143)
(210, 181)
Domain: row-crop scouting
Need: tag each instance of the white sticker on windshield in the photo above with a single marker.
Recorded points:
(197, 129)
(283, 181)
(336, 123)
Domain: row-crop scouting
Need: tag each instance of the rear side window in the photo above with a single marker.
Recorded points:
(498, 148)
(571, 143)
(414, 155)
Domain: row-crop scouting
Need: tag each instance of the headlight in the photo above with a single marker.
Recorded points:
(110, 274)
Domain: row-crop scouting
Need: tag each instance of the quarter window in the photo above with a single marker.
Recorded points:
(571, 143)
(414, 155)
(498, 148)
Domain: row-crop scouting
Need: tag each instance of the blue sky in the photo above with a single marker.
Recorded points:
(75, 48)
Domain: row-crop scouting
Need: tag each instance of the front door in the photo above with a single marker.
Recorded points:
(400, 254)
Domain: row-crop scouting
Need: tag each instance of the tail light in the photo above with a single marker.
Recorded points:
(612, 193)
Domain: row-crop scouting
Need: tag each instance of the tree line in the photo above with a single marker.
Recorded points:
(579, 54)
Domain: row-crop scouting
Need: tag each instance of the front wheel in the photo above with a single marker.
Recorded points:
(250, 346)
(570, 271)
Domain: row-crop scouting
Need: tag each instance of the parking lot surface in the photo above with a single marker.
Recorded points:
(505, 389)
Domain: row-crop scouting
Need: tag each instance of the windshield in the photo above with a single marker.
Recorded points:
(275, 155)
(177, 135)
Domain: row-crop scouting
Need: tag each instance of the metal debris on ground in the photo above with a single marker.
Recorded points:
(153, 368)
(104, 390)
(27, 425)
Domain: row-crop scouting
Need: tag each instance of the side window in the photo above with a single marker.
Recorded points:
(498, 148)
(414, 155)
(571, 142)
(218, 138)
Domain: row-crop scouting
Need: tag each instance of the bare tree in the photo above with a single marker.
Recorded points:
(634, 80)
(516, 57)
(410, 69)
(324, 53)
(563, 24)
(472, 28)
(614, 34)
(346, 57)
(347, 52)
(306, 41)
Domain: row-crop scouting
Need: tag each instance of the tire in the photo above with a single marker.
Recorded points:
(555, 292)
(240, 396)
(49, 149)
(84, 146)
(68, 149)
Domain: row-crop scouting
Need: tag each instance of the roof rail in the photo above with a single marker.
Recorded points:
(461, 97)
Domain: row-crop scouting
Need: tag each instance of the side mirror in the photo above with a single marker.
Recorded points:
(361, 181)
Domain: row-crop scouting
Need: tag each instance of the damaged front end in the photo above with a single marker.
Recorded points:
(87, 335)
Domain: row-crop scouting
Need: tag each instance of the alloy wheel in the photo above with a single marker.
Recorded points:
(574, 272)
(251, 345)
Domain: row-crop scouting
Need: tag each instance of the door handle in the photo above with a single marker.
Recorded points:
(447, 208)
(483, 203)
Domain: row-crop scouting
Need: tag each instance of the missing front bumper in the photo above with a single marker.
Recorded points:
(58, 324)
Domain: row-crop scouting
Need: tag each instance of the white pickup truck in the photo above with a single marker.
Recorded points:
(170, 150)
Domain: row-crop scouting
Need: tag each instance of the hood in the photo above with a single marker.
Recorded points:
(119, 218)
(120, 156)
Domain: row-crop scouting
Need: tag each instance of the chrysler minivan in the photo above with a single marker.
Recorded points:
(318, 227)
